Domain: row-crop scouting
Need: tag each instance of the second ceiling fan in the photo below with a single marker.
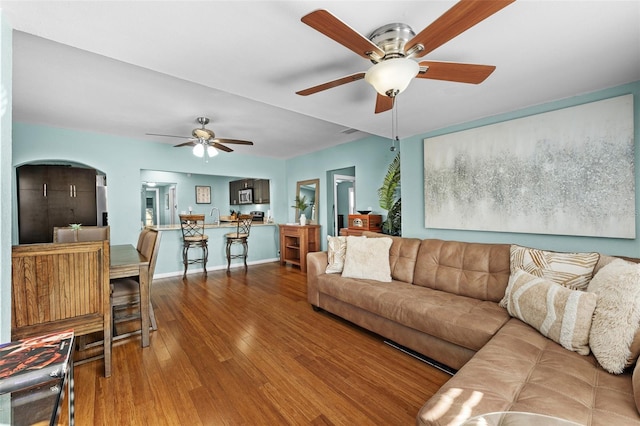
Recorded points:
(204, 140)
(392, 47)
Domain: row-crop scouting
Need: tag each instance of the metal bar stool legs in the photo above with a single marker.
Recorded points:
(185, 256)
(240, 236)
(245, 251)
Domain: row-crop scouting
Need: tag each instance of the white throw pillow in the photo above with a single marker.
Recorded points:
(561, 314)
(336, 251)
(617, 316)
(368, 258)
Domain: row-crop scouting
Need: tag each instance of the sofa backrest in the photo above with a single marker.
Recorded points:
(402, 255)
(475, 270)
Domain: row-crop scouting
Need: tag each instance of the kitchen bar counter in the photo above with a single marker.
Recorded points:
(263, 247)
(209, 226)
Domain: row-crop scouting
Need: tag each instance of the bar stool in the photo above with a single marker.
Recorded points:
(239, 237)
(193, 236)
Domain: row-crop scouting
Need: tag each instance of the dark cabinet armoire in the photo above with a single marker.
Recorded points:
(50, 196)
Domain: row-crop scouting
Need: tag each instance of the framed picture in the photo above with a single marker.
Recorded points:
(203, 194)
(245, 196)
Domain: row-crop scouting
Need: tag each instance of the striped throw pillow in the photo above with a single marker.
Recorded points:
(336, 251)
(559, 313)
(572, 270)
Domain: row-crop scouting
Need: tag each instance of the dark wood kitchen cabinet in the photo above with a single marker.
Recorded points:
(261, 191)
(260, 188)
(50, 196)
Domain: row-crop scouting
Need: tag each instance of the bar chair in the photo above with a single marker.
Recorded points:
(193, 236)
(125, 292)
(240, 236)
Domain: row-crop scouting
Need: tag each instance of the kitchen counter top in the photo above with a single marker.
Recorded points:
(208, 226)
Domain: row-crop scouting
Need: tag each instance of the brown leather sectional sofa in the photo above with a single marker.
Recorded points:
(443, 303)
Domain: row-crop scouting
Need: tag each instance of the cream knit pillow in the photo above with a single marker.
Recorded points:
(561, 314)
(616, 320)
(368, 258)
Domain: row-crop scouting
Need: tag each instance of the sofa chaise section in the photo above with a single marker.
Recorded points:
(521, 370)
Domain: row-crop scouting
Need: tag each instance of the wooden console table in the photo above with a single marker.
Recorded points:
(296, 241)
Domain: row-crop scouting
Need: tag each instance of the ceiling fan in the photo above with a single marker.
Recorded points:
(203, 139)
(392, 47)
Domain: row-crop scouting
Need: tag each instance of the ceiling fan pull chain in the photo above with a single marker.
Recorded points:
(394, 124)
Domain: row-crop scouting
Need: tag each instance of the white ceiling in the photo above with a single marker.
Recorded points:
(134, 67)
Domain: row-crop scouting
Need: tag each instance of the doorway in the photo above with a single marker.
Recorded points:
(344, 200)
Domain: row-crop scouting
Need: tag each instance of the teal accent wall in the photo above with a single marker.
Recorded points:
(6, 179)
(412, 158)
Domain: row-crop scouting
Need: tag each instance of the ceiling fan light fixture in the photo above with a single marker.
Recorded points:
(211, 151)
(198, 150)
(392, 76)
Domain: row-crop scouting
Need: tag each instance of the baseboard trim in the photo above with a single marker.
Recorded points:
(214, 268)
(421, 357)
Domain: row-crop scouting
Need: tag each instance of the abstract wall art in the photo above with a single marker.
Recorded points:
(564, 172)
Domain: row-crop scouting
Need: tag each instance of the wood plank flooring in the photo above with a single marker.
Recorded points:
(247, 349)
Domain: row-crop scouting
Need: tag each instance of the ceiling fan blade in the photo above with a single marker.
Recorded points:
(221, 147)
(190, 143)
(236, 141)
(383, 103)
(331, 84)
(462, 16)
(324, 22)
(452, 71)
(167, 136)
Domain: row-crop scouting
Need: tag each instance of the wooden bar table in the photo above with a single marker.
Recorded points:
(126, 261)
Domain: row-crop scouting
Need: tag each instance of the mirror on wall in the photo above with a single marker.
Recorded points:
(159, 203)
(310, 189)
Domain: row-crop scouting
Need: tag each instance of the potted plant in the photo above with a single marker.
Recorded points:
(300, 204)
(390, 199)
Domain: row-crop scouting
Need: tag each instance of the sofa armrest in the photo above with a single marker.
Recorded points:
(316, 266)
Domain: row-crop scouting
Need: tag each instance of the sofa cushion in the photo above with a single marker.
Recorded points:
(402, 255)
(336, 251)
(635, 382)
(616, 321)
(461, 320)
(572, 270)
(367, 258)
(562, 314)
(521, 370)
(480, 271)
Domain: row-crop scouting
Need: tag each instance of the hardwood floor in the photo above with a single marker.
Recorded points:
(247, 349)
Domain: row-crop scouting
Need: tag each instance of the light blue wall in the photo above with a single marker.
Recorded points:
(412, 157)
(370, 156)
(6, 179)
(122, 160)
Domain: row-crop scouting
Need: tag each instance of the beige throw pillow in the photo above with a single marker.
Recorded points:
(368, 258)
(616, 319)
(336, 250)
(561, 314)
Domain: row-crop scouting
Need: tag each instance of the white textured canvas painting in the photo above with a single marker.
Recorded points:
(564, 172)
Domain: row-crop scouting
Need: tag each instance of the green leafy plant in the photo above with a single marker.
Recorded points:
(300, 203)
(75, 226)
(389, 195)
